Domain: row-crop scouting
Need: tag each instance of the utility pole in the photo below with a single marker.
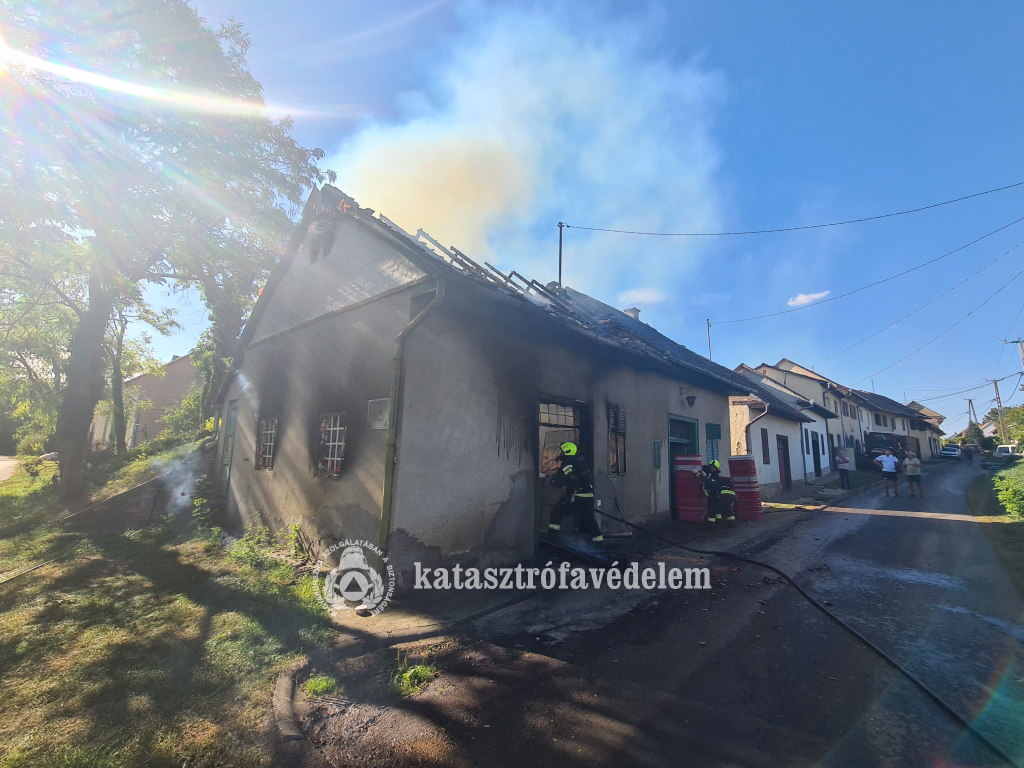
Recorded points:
(709, 339)
(999, 406)
(560, 226)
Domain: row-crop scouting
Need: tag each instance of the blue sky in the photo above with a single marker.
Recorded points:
(486, 124)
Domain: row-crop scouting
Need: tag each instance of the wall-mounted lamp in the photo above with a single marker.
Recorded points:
(690, 400)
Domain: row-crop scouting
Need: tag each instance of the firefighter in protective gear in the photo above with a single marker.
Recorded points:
(574, 475)
(718, 492)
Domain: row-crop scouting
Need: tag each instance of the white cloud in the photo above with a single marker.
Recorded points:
(642, 296)
(535, 116)
(806, 298)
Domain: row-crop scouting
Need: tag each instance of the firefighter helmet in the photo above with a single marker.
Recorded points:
(569, 449)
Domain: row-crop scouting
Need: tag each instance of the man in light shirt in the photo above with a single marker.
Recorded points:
(843, 465)
(912, 466)
(889, 463)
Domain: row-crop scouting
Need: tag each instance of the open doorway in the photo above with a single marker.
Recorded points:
(682, 441)
(785, 473)
(559, 421)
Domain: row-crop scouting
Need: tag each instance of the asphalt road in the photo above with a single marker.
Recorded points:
(7, 466)
(759, 677)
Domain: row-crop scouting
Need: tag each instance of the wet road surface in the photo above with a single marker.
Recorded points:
(759, 677)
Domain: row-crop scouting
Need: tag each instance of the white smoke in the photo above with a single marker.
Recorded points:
(535, 116)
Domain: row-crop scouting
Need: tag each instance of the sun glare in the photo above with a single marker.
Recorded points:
(194, 102)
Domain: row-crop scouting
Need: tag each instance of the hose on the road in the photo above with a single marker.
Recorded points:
(895, 664)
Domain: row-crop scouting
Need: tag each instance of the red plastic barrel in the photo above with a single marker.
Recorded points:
(689, 489)
(748, 491)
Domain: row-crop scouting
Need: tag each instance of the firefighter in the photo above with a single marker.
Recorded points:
(574, 475)
(719, 493)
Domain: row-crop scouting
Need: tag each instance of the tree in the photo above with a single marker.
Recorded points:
(191, 180)
(973, 434)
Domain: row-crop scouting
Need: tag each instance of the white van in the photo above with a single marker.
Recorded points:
(1004, 451)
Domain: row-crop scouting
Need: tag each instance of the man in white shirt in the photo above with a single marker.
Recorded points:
(889, 463)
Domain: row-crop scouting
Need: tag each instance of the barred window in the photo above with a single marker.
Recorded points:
(616, 441)
(266, 439)
(332, 444)
(766, 457)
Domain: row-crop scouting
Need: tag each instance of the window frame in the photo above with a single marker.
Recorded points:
(327, 465)
(265, 458)
(616, 422)
(766, 455)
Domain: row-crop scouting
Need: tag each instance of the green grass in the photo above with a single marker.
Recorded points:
(410, 680)
(320, 685)
(1007, 538)
(141, 648)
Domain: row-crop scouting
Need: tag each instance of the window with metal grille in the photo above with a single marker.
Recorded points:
(554, 415)
(616, 441)
(266, 438)
(331, 452)
(766, 457)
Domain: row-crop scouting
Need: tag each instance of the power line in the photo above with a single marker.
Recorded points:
(954, 325)
(796, 229)
(871, 285)
(897, 322)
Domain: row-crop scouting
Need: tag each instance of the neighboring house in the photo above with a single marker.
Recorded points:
(146, 398)
(806, 454)
(392, 390)
(816, 390)
(891, 417)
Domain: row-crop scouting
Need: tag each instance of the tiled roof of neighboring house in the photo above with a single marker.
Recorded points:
(776, 405)
(572, 308)
(883, 403)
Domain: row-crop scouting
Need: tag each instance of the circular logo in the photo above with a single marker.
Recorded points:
(355, 584)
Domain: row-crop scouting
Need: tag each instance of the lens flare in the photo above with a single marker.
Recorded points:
(194, 102)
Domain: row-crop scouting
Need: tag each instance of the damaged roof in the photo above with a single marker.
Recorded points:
(326, 207)
(883, 403)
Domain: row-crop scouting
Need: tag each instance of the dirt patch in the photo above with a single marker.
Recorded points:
(488, 706)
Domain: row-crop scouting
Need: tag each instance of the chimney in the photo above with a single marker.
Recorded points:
(633, 312)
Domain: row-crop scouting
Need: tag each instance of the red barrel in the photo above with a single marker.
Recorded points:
(748, 491)
(689, 489)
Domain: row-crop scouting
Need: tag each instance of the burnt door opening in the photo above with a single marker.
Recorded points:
(560, 421)
(816, 454)
(785, 474)
(682, 441)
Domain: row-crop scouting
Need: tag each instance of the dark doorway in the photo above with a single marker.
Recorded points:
(816, 453)
(560, 421)
(785, 474)
(682, 441)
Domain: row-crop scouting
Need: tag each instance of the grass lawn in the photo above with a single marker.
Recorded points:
(1007, 538)
(142, 648)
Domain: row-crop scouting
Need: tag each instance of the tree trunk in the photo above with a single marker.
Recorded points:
(117, 390)
(84, 387)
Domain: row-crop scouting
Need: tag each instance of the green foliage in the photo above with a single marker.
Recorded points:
(31, 445)
(185, 419)
(252, 547)
(1009, 485)
(291, 541)
(412, 679)
(973, 434)
(988, 443)
(320, 685)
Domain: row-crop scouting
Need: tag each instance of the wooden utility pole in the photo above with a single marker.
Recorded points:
(1020, 348)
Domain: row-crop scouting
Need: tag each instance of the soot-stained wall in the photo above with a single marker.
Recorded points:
(466, 482)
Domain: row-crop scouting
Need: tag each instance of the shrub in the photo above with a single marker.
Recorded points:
(320, 685)
(31, 445)
(1010, 487)
(185, 420)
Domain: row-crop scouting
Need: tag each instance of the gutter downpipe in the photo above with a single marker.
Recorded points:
(390, 453)
(746, 430)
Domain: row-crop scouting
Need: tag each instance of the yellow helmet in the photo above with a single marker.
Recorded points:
(714, 464)
(569, 449)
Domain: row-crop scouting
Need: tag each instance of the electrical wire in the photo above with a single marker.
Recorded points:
(870, 285)
(895, 323)
(954, 325)
(964, 722)
(796, 229)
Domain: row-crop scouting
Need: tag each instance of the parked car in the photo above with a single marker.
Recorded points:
(1006, 453)
(974, 448)
(950, 452)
